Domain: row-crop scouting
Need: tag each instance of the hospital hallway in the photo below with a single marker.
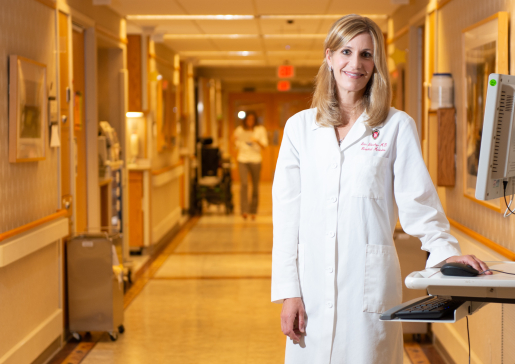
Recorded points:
(130, 130)
(206, 299)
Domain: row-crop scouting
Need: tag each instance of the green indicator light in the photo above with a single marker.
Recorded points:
(493, 82)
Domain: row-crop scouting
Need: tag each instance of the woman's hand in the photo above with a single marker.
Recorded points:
(293, 318)
(471, 260)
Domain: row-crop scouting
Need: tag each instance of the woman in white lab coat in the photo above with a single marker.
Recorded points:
(347, 169)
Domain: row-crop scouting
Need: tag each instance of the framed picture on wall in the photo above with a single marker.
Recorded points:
(485, 51)
(27, 110)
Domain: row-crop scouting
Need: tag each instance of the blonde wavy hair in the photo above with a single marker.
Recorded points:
(377, 97)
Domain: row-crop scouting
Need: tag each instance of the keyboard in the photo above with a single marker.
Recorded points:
(429, 308)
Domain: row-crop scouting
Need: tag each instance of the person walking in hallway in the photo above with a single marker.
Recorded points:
(348, 168)
(250, 139)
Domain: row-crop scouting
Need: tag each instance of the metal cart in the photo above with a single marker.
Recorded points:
(95, 283)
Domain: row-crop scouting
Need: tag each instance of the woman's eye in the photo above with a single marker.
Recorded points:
(346, 52)
(367, 55)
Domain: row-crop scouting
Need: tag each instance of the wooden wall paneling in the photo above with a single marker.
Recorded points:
(135, 209)
(105, 202)
(78, 96)
(446, 174)
(432, 146)
(135, 68)
(278, 108)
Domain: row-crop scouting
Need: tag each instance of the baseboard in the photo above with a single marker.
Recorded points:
(168, 223)
(31, 346)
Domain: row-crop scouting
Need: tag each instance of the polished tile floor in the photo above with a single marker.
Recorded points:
(207, 300)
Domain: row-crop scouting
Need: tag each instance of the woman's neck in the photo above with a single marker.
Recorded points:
(351, 106)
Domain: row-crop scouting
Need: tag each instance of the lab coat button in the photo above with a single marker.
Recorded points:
(330, 234)
(333, 199)
(330, 269)
(329, 304)
(333, 165)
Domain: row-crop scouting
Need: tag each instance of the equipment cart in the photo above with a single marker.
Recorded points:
(95, 283)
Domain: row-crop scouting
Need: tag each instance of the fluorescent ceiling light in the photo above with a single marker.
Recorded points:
(133, 114)
(221, 62)
(289, 36)
(243, 36)
(320, 16)
(190, 17)
(211, 36)
(219, 53)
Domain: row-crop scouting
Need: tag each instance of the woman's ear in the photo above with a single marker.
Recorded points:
(328, 59)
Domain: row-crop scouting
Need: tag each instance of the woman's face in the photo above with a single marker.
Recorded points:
(353, 64)
(250, 121)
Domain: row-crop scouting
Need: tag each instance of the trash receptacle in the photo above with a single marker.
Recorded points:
(95, 283)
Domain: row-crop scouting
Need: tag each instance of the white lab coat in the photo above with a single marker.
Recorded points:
(334, 213)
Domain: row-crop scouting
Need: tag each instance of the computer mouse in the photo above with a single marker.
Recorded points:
(459, 270)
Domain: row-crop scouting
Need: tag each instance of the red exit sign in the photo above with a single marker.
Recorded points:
(285, 71)
(283, 86)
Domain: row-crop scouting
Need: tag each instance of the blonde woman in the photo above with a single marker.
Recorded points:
(347, 169)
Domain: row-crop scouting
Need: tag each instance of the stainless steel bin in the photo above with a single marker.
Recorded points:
(95, 283)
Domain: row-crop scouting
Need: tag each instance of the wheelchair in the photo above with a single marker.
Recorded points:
(213, 178)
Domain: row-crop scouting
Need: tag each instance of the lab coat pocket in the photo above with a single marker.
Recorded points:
(383, 284)
(368, 175)
(300, 263)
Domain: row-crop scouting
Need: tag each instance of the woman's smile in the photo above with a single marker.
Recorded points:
(353, 75)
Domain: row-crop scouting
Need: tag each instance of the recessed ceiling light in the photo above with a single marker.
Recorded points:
(287, 47)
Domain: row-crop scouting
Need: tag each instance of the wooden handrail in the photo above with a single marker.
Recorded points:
(157, 172)
(484, 240)
(33, 224)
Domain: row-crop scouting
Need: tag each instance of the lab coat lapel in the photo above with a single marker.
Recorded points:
(326, 140)
(358, 130)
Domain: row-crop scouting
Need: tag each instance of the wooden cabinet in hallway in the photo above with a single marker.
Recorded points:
(136, 209)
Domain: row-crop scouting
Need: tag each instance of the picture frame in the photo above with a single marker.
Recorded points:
(28, 110)
(485, 51)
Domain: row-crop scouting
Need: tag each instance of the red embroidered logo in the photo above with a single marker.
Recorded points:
(374, 147)
(375, 134)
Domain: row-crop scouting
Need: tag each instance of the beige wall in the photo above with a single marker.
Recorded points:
(492, 328)
(450, 59)
(28, 191)
(29, 291)
(164, 198)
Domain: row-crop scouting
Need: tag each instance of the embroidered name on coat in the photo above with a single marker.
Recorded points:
(376, 147)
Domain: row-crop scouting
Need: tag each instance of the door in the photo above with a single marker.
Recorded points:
(273, 110)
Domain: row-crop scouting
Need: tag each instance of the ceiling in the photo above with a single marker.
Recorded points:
(273, 33)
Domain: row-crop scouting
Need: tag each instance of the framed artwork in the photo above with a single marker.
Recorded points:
(485, 51)
(28, 114)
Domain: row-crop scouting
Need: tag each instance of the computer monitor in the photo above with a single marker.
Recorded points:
(497, 153)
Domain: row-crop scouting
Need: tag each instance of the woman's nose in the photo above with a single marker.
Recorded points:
(355, 62)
